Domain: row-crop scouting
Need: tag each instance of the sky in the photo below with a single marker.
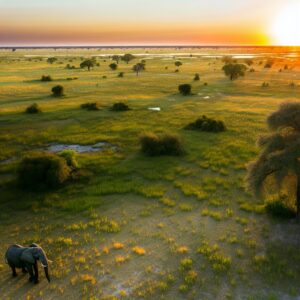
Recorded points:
(139, 22)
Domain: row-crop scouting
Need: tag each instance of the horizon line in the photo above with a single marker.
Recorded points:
(146, 46)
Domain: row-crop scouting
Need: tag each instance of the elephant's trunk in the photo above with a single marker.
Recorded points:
(47, 273)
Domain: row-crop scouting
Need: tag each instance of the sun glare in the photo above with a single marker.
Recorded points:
(286, 28)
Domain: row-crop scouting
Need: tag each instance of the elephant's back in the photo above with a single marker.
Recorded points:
(13, 255)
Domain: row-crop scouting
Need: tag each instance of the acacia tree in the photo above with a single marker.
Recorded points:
(116, 58)
(88, 63)
(127, 57)
(280, 156)
(51, 60)
(178, 63)
(138, 68)
(113, 66)
(234, 71)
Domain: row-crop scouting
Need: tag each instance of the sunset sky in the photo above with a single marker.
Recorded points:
(146, 22)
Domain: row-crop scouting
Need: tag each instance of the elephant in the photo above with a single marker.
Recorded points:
(26, 258)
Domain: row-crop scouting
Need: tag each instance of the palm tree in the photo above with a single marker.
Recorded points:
(280, 156)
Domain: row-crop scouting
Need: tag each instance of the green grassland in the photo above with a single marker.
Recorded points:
(137, 227)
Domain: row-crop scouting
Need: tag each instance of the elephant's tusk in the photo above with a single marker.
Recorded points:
(44, 266)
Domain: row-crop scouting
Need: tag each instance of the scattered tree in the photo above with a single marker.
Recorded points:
(138, 68)
(156, 145)
(234, 71)
(58, 91)
(121, 74)
(120, 106)
(33, 109)
(269, 64)
(178, 63)
(90, 106)
(185, 89)
(197, 77)
(46, 78)
(113, 66)
(51, 60)
(88, 63)
(206, 124)
(127, 57)
(279, 158)
(116, 58)
(42, 170)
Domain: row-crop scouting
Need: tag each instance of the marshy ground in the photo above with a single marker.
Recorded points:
(138, 227)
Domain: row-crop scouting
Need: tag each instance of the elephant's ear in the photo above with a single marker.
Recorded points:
(27, 256)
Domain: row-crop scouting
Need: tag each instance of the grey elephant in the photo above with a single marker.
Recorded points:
(26, 258)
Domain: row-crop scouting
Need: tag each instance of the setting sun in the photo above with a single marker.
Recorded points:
(285, 29)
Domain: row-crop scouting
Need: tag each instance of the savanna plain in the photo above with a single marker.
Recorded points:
(131, 226)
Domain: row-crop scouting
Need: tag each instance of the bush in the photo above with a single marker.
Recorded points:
(46, 78)
(58, 91)
(207, 124)
(33, 109)
(178, 63)
(197, 77)
(268, 64)
(113, 66)
(185, 89)
(120, 106)
(121, 74)
(90, 106)
(166, 144)
(279, 209)
(42, 170)
(70, 158)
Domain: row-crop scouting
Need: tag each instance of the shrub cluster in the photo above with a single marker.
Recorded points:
(207, 124)
(156, 145)
(90, 106)
(58, 91)
(185, 89)
(197, 77)
(120, 106)
(33, 109)
(46, 78)
(42, 171)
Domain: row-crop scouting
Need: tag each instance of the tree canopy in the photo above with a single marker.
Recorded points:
(88, 63)
(280, 155)
(234, 71)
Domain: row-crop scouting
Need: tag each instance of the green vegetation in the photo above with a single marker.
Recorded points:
(206, 124)
(58, 91)
(121, 224)
(234, 71)
(279, 159)
(90, 106)
(156, 145)
(120, 106)
(42, 170)
(88, 63)
(46, 78)
(185, 89)
(33, 109)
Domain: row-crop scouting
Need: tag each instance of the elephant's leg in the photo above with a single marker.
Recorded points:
(13, 268)
(30, 271)
(36, 271)
(24, 271)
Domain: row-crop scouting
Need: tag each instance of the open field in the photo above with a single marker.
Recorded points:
(138, 227)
